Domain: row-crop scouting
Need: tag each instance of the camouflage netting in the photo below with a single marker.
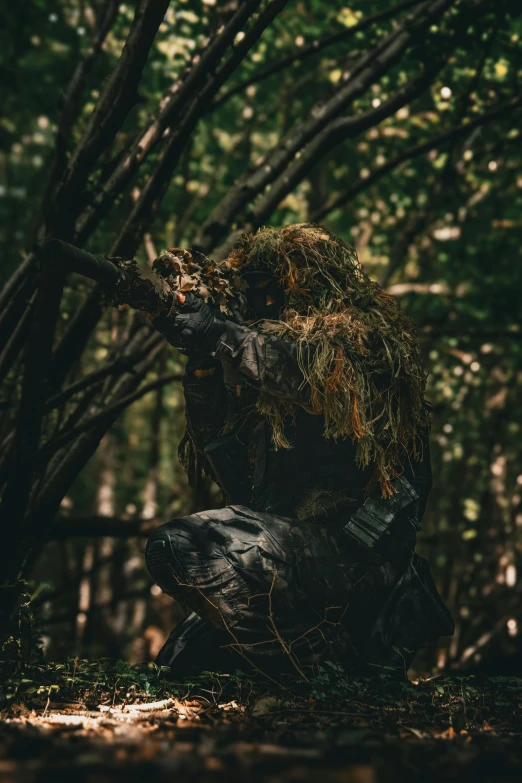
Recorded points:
(366, 376)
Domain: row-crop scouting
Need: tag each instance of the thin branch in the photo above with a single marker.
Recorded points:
(106, 415)
(117, 99)
(76, 86)
(412, 152)
(159, 181)
(130, 595)
(30, 415)
(304, 52)
(140, 351)
(130, 236)
(335, 133)
(15, 296)
(170, 109)
(235, 645)
(417, 222)
(191, 206)
(8, 403)
(47, 595)
(287, 649)
(6, 453)
(65, 465)
(150, 491)
(262, 21)
(67, 118)
(113, 368)
(366, 71)
(76, 335)
(72, 102)
(16, 341)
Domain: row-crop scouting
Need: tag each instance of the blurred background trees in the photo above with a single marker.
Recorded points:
(128, 128)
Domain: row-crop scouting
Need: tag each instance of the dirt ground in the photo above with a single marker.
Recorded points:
(219, 729)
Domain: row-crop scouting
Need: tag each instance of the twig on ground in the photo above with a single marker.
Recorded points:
(152, 705)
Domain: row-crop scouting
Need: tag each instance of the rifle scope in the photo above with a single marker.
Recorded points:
(75, 260)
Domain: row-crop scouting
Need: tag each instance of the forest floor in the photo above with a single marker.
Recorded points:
(92, 722)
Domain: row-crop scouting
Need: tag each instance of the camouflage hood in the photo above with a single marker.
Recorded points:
(366, 377)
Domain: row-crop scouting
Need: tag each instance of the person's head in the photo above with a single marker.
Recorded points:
(365, 375)
(300, 268)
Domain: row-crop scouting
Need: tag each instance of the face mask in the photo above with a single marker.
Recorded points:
(265, 297)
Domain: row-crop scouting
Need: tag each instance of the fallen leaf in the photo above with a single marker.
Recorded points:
(450, 734)
(415, 732)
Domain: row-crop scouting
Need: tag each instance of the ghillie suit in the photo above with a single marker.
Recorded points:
(310, 417)
(365, 376)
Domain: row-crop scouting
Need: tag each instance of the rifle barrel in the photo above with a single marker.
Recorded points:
(75, 260)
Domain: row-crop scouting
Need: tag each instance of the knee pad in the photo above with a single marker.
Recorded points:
(160, 558)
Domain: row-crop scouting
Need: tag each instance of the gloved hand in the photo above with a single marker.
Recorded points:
(196, 326)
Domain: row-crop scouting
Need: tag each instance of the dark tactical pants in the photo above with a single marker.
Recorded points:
(280, 595)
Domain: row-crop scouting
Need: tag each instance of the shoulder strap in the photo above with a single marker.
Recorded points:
(330, 506)
(371, 520)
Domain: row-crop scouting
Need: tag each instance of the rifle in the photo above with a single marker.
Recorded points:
(174, 273)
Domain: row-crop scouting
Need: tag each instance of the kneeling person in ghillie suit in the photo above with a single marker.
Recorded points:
(311, 418)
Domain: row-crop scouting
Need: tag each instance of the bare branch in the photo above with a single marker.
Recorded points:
(335, 133)
(66, 617)
(75, 337)
(63, 468)
(30, 414)
(46, 595)
(107, 415)
(115, 102)
(15, 285)
(366, 71)
(170, 108)
(84, 321)
(416, 223)
(76, 86)
(72, 102)
(412, 152)
(92, 378)
(159, 180)
(301, 54)
(16, 341)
